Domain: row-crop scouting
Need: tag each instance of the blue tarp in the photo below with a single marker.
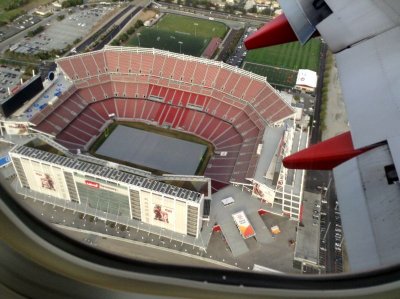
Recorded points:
(5, 160)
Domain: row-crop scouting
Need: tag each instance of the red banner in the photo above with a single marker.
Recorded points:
(92, 184)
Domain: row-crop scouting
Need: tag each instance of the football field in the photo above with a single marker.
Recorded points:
(281, 63)
(179, 34)
(279, 78)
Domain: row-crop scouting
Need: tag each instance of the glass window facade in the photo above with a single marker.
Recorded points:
(104, 197)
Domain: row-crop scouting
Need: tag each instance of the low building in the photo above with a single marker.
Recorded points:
(43, 11)
(57, 4)
(306, 80)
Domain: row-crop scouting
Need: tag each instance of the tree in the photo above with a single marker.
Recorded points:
(35, 31)
(131, 30)
(139, 23)
(123, 37)
(253, 9)
(13, 4)
(69, 3)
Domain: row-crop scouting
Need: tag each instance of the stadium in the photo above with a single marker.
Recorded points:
(248, 123)
(219, 103)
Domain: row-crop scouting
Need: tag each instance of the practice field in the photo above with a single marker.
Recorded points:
(290, 56)
(277, 77)
(287, 57)
(154, 149)
(179, 34)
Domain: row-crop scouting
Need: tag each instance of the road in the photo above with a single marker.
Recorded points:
(254, 20)
(120, 26)
(91, 38)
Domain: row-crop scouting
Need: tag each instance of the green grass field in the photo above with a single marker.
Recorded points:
(291, 56)
(172, 29)
(154, 129)
(277, 77)
(8, 16)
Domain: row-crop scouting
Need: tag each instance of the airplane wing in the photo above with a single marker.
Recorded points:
(364, 36)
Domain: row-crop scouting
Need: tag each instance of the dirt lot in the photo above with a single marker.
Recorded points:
(147, 15)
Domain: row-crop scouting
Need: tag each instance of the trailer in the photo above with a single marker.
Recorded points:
(243, 225)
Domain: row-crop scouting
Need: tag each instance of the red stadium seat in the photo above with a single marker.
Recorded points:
(225, 106)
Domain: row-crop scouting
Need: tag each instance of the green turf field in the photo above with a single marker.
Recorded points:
(165, 40)
(291, 56)
(172, 29)
(281, 63)
(277, 77)
(185, 24)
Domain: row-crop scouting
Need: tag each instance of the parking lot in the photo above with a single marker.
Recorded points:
(338, 240)
(59, 34)
(240, 53)
(331, 236)
(9, 78)
(308, 238)
(19, 24)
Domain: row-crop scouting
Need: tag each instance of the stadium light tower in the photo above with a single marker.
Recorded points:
(180, 47)
(138, 37)
(195, 29)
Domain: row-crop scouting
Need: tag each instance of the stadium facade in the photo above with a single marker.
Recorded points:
(245, 119)
(109, 190)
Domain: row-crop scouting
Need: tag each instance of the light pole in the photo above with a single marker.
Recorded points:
(180, 47)
(195, 29)
(138, 37)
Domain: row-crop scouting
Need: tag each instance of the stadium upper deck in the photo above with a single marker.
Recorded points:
(217, 102)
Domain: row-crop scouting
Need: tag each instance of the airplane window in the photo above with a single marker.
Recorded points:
(217, 144)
